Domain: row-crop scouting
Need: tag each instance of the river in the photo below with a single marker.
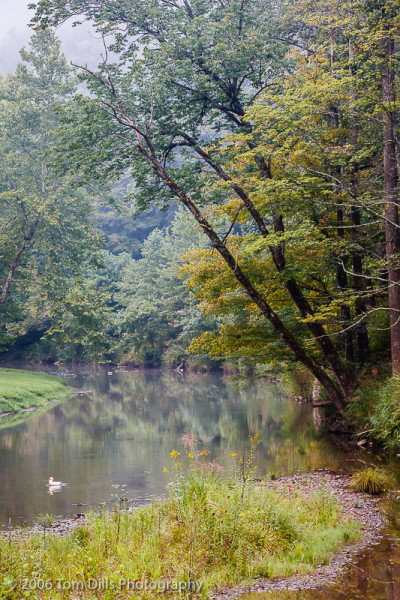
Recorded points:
(121, 433)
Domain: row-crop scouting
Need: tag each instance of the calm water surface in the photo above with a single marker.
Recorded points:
(121, 433)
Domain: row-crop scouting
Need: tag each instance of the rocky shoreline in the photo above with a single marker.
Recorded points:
(361, 507)
(57, 527)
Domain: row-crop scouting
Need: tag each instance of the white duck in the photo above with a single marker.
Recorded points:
(53, 483)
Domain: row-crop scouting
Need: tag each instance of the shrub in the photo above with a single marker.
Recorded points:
(371, 480)
(377, 409)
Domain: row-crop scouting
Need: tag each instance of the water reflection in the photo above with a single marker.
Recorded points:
(122, 433)
(375, 576)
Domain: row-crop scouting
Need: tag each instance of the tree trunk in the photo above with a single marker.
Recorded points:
(343, 283)
(15, 262)
(359, 285)
(391, 214)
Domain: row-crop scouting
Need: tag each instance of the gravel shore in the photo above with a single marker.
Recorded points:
(57, 527)
(360, 507)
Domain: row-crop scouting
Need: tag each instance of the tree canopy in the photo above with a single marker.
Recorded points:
(46, 229)
(275, 126)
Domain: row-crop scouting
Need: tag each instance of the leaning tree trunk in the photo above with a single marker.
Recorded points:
(335, 394)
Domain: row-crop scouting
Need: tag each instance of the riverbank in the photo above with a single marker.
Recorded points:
(362, 508)
(23, 390)
(293, 533)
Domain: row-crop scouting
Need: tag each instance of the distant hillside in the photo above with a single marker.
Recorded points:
(125, 233)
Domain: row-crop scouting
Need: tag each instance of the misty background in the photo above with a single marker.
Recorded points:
(79, 44)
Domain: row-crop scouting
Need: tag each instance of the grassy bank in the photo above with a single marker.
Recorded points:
(25, 389)
(209, 530)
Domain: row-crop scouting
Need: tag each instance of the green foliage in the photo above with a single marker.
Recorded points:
(157, 318)
(269, 117)
(376, 409)
(371, 480)
(125, 230)
(79, 325)
(23, 389)
(46, 229)
(379, 333)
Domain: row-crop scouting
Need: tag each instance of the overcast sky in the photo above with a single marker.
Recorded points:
(78, 43)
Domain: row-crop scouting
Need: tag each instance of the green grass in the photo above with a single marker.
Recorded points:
(209, 530)
(25, 389)
(371, 480)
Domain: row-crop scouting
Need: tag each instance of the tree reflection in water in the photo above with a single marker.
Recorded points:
(123, 433)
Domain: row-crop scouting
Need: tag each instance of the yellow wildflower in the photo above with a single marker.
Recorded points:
(233, 453)
(165, 470)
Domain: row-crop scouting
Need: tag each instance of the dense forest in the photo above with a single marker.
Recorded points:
(222, 189)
